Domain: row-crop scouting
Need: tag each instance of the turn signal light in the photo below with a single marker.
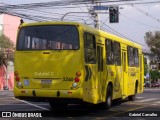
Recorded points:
(78, 74)
(16, 73)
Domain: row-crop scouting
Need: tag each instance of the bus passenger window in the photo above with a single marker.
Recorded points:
(117, 53)
(131, 56)
(136, 58)
(90, 48)
(109, 52)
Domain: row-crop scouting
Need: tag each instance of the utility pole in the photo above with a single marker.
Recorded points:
(96, 9)
(95, 15)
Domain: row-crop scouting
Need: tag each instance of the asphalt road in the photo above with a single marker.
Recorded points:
(147, 103)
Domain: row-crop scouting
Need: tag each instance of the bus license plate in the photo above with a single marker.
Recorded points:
(46, 82)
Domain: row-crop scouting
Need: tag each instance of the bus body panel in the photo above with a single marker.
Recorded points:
(36, 67)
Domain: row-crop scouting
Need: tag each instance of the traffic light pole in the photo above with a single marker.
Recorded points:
(95, 10)
(96, 18)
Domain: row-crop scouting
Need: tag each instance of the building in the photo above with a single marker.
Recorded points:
(8, 26)
(151, 60)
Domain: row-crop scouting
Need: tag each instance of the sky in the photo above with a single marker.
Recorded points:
(134, 20)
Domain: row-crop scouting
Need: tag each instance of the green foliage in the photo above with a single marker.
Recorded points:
(154, 74)
(153, 41)
(6, 50)
(145, 69)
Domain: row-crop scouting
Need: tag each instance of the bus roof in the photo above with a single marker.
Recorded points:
(111, 36)
(87, 29)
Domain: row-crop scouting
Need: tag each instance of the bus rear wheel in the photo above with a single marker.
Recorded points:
(108, 97)
(131, 97)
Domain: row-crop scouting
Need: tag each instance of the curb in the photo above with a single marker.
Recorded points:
(152, 89)
(6, 90)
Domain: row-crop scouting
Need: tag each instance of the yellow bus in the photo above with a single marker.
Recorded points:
(68, 62)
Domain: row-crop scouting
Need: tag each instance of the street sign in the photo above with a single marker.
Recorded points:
(147, 75)
(100, 7)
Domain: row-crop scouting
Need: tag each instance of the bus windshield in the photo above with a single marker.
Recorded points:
(48, 37)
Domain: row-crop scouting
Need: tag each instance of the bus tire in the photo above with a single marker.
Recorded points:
(132, 97)
(108, 97)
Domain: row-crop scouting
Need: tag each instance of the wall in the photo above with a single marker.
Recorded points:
(1, 23)
(10, 26)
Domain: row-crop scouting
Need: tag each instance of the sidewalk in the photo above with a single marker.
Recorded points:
(146, 89)
(6, 93)
(7, 77)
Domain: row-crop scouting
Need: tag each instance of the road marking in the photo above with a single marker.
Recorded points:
(151, 89)
(139, 97)
(154, 104)
(113, 115)
(157, 102)
(22, 104)
(146, 100)
(43, 108)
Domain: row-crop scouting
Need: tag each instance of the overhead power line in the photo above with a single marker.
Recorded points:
(121, 35)
(146, 13)
(136, 21)
(59, 3)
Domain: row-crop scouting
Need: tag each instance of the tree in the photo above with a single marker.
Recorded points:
(6, 50)
(153, 41)
(155, 74)
(145, 69)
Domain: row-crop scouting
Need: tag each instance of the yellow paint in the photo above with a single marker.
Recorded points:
(60, 66)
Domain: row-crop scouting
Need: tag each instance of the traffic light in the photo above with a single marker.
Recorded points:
(113, 14)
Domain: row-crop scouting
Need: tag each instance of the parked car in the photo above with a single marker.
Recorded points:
(155, 84)
(146, 84)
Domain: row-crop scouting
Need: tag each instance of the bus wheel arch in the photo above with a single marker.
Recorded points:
(132, 97)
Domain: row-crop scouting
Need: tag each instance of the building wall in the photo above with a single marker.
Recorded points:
(10, 26)
(1, 23)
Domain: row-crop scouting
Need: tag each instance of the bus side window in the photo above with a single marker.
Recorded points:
(117, 53)
(90, 48)
(136, 58)
(109, 52)
(131, 61)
